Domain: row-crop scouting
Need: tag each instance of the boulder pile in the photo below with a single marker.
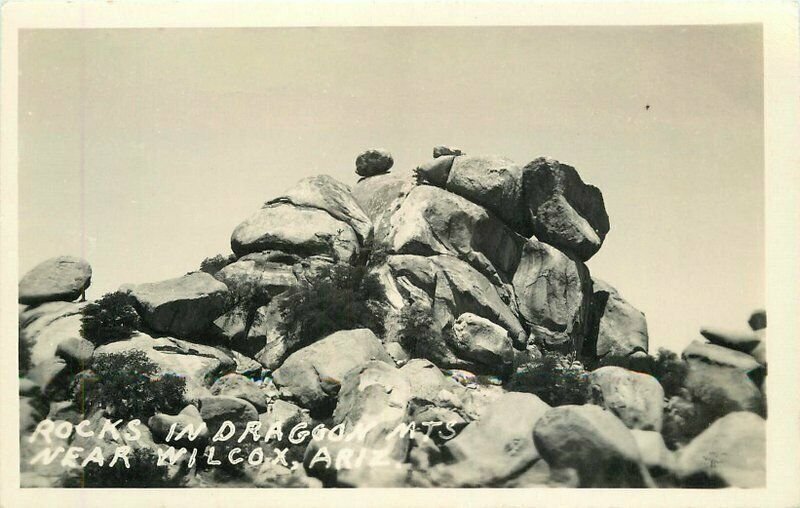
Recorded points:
(480, 266)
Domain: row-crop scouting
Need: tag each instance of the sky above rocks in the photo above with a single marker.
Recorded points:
(141, 150)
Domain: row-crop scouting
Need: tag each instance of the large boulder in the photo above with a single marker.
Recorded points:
(637, 399)
(380, 195)
(593, 443)
(314, 374)
(183, 306)
(450, 287)
(433, 221)
(295, 230)
(62, 278)
(492, 182)
(486, 344)
(435, 171)
(241, 387)
(655, 454)
(732, 451)
(718, 375)
(199, 365)
(553, 292)
(326, 193)
(188, 420)
(616, 328)
(496, 447)
(563, 211)
(373, 162)
(373, 396)
(744, 341)
(216, 410)
(266, 273)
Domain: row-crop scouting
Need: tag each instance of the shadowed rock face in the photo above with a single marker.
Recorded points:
(373, 162)
(184, 306)
(564, 211)
(616, 327)
(732, 449)
(593, 443)
(61, 278)
(492, 182)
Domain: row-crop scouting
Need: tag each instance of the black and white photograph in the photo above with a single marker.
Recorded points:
(311, 256)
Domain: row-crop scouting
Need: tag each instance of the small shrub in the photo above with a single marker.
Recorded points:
(128, 386)
(144, 472)
(685, 419)
(415, 321)
(109, 319)
(25, 362)
(216, 263)
(554, 379)
(341, 297)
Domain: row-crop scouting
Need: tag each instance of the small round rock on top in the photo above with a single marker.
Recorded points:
(374, 162)
(62, 278)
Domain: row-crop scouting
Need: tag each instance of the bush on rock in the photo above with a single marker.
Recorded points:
(128, 385)
(554, 379)
(341, 297)
(109, 319)
(216, 263)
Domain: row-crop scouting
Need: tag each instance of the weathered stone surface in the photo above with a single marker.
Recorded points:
(497, 446)
(721, 375)
(236, 385)
(284, 416)
(743, 341)
(732, 449)
(188, 419)
(373, 162)
(245, 365)
(553, 294)
(183, 306)
(314, 374)
(616, 327)
(494, 183)
(268, 273)
(62, 278)
(562, 210)
(326, 193)
(655, 454)
(592, 442)
(758, 320)
(30, 414)
(454, 286)
(479, 340)
(217, 409)
(442, 151)
(379, 196)
(199, 365)
(434, 172)
(637, 399)
(295, 230)
(76, 351)
(374, 397)
(52, 375)
(433, 221)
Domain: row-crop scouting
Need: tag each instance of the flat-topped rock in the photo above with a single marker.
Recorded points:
(744, 341)
(62, 278)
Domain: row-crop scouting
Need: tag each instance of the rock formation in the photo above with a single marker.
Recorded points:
(479, 267)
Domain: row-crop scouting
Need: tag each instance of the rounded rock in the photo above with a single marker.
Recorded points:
(374, 162)
(62, 278)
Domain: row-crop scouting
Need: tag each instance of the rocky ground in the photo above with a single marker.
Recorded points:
(479, 269)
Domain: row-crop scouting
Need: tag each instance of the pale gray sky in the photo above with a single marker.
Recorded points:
(141, 150)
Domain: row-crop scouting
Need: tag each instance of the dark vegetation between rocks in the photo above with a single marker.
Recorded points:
(127, 386)
(143, 473)
(213, 264)
(554, 379)
(341, 297)
(111, 318)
